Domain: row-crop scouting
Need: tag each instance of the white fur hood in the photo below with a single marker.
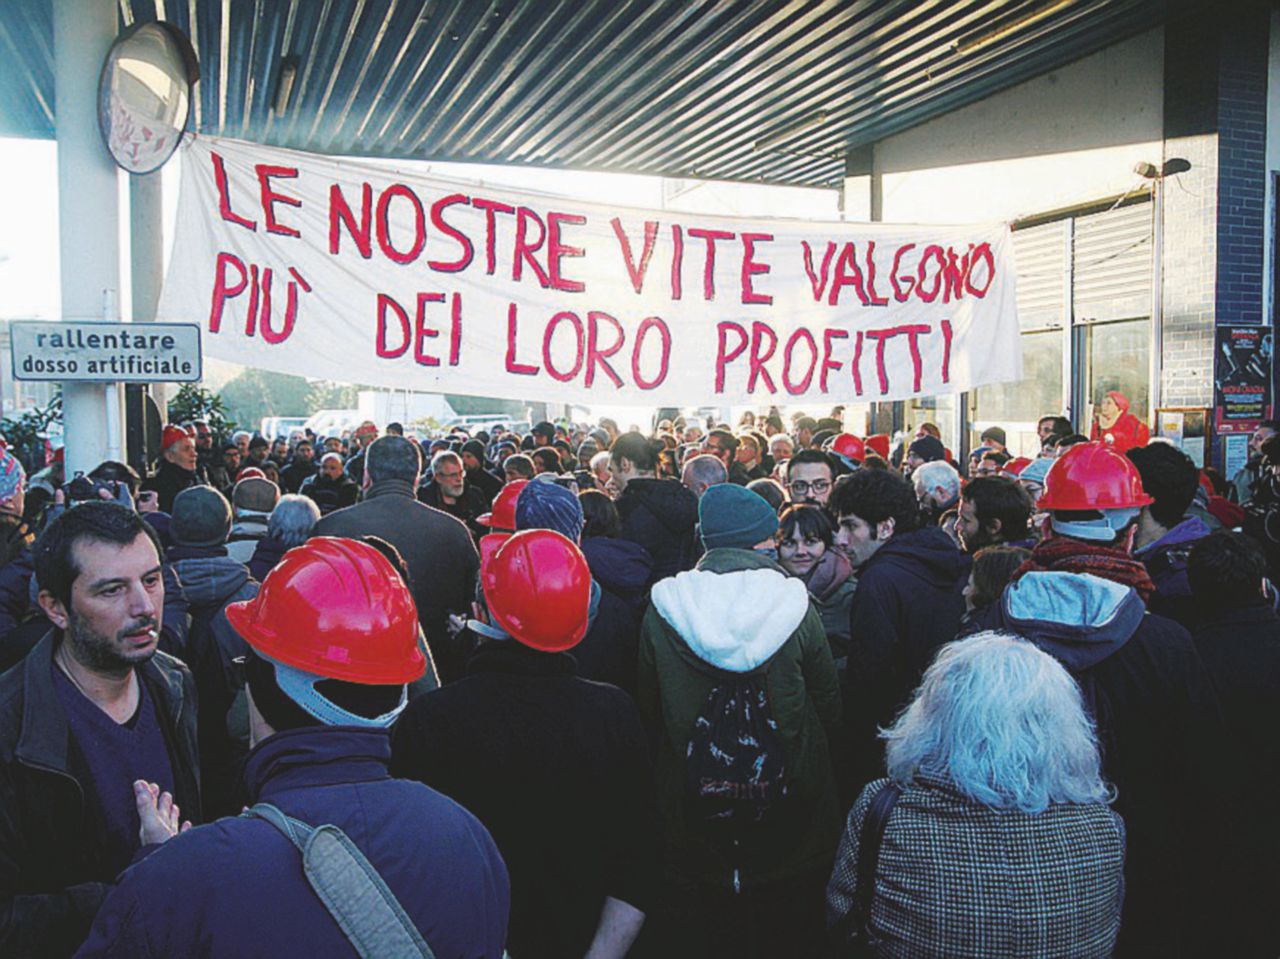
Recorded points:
(733, 620)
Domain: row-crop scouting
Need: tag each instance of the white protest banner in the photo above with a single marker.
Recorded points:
(362, 273)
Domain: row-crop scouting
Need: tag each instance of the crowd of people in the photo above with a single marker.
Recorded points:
(768, 688)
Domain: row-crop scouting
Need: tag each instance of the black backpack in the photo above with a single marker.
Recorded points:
(735, 767)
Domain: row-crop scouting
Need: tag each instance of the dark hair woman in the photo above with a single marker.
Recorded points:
(805, 540)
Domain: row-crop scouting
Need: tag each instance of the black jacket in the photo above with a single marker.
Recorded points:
(470, 505)
(53, 872)
(1240, 649)
(908, 603)
(266, 554)
(170, 480)
(1164, 747)
(440, 553)
(330, 495)
(557, 769)
(660, 515)
(621, 567)
(296, 473)
(487, 483)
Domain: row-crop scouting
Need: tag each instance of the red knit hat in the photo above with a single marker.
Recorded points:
(171, 435)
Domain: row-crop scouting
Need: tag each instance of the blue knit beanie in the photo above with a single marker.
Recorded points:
(733, 516)
(550, 506)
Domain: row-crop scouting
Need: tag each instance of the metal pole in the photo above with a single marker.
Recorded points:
(1157, 294)
(88, 215)
(146, 275)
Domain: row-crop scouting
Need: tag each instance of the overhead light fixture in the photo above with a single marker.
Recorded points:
(981, 41)
(1170, 167)
(808, 123)
(284, 84)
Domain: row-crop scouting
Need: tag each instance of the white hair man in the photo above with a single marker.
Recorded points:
(937, 487)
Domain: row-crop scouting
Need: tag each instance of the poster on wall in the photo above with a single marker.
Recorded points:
(365, 273)
(1242, 380)
(1184, 427)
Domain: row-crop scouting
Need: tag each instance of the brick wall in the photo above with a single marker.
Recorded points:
(1242, 133)
(1215, 117)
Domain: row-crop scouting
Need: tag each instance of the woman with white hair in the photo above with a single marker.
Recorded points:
(992, 836)
(289, 525)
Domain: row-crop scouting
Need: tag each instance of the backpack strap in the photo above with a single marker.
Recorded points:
(364, 908)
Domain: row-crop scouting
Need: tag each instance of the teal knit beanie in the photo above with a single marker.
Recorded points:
(733, 516)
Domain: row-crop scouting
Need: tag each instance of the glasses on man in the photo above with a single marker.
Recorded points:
(801, 488)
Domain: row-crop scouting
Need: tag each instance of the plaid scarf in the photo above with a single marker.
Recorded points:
(1060, 554)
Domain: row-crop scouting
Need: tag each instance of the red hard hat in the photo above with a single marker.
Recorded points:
(489, 544)
(1015, 466)
(849, 446)
(538, 588)
(335, 608)
(1091, 476)
(878, 443)
(503, 513)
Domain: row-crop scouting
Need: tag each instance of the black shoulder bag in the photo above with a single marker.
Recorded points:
(851, 937)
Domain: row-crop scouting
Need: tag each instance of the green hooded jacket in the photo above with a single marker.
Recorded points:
(738, 612)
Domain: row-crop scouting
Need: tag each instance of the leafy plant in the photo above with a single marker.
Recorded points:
(194, 403)
(25, 435)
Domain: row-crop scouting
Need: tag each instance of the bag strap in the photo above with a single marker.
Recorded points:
(869, 840)
(364, 908)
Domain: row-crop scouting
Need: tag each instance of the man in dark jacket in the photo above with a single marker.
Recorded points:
(301, 468)
(449, 492)
(211, 581)
(88, 720)
(556, 767)
(658, 514)
(1239, 643)
(478, 475)
(1165, 530)
(442, 558)
(209, 466)
(331, 488)
(334, 639)
(177, 470)
(1081, 598)
(908, 603)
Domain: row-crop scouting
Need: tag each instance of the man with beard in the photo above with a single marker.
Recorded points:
(993, 510)
(97, 731)
(448, 491)
(478, 477)
(208, 461)
(1244, 485)
(177, 471)
(810, 476)
(908, 603)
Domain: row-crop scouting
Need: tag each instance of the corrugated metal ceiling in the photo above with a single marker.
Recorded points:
(647, 86)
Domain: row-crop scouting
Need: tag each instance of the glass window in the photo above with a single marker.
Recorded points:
(938, 410)
(1118, 357)
(1018, 406)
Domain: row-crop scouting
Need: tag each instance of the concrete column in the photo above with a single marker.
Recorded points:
(88, 218)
